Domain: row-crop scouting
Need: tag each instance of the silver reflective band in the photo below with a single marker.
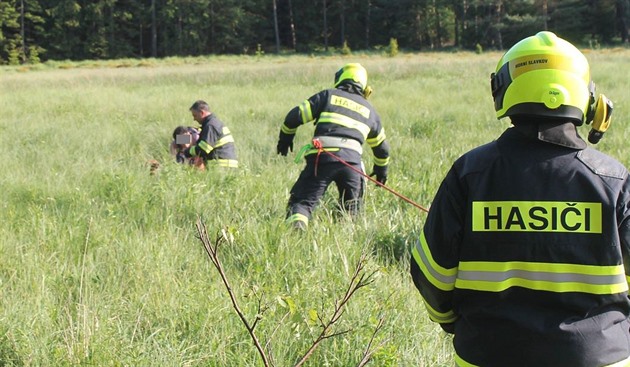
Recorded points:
(492, 276)
(337, 142)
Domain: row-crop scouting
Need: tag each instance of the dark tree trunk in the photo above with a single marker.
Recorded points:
(342, 20)
(367, 24)
(438, 26)
(622, 19)
(456, 25)
(275, 26)
(22, 32)
(544, 15)
(325, 27)
(292, 25)
(153, 30)
(497, 24)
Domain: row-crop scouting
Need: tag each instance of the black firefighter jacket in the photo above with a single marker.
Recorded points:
(215, 144)
(343, 113)
(525, 255)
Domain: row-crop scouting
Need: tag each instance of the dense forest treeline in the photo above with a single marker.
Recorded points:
(38, 30)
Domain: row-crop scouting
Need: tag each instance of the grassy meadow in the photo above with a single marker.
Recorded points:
(99, 260)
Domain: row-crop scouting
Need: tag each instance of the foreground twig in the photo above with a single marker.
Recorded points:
(369, 351)
(212, 251)
(359, 280)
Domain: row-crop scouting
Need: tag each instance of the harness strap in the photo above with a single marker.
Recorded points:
(338, 142)
(317, 144)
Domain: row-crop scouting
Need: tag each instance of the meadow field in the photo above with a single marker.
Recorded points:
(100, 263)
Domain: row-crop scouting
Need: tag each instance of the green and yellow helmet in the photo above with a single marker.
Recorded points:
(353, 71)
(543, 75)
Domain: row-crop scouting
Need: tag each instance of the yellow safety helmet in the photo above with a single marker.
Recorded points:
(544, 75)
(353, 71)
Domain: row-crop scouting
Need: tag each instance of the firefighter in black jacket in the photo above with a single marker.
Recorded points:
(525, 253)
(344, 120)
(216, 143)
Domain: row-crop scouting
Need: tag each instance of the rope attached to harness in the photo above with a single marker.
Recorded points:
(320, 148)
(316, 144)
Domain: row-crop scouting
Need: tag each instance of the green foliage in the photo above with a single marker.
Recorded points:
(9, 355)
(570, 18)
(33, 55)
(80, 30)
(392, 50)
(14, 55)
(259, 51)
(100, 264)
(345, 49)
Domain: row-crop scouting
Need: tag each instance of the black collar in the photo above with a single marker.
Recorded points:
(350, 87)
(564, 134)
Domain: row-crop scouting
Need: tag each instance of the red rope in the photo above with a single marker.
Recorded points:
(317, 144)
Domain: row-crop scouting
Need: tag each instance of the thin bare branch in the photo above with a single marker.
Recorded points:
(268, 343)
(369, 351)
(212, 251)
(358, 280)
(337, 334)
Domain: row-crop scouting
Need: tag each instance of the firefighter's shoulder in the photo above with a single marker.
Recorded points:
(602, 164)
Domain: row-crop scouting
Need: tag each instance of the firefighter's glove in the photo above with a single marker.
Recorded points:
(285, 143)
(380, 172)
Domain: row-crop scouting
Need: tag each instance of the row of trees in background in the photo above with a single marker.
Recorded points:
(37, 30)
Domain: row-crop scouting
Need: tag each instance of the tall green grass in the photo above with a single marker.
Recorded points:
(99, 262)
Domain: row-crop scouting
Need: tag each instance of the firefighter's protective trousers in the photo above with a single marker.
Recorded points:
(313, 182)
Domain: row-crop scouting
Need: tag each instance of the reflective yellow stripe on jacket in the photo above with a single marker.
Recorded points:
(462, 363)
(376, 141)
(440, 317)
(381, 161)
(207, 148)
(339, 119)
(230, 163)
(442, 278)
(287, 130)
(305, 112)
(499, 276)
(224, 140)
(624, 363)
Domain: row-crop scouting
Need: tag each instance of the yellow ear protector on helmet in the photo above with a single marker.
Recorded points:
(599, 113)
(602, 117)
(367, 92)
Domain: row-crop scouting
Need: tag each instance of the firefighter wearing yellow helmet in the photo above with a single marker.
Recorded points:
(525, 253)
(344, 120)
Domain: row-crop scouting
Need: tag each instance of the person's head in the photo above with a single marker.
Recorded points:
(182, 138)
(180, 130)
(356, 74)
(200, 110)
(544, 76)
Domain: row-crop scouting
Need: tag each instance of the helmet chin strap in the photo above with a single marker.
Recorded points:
(601, 119)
